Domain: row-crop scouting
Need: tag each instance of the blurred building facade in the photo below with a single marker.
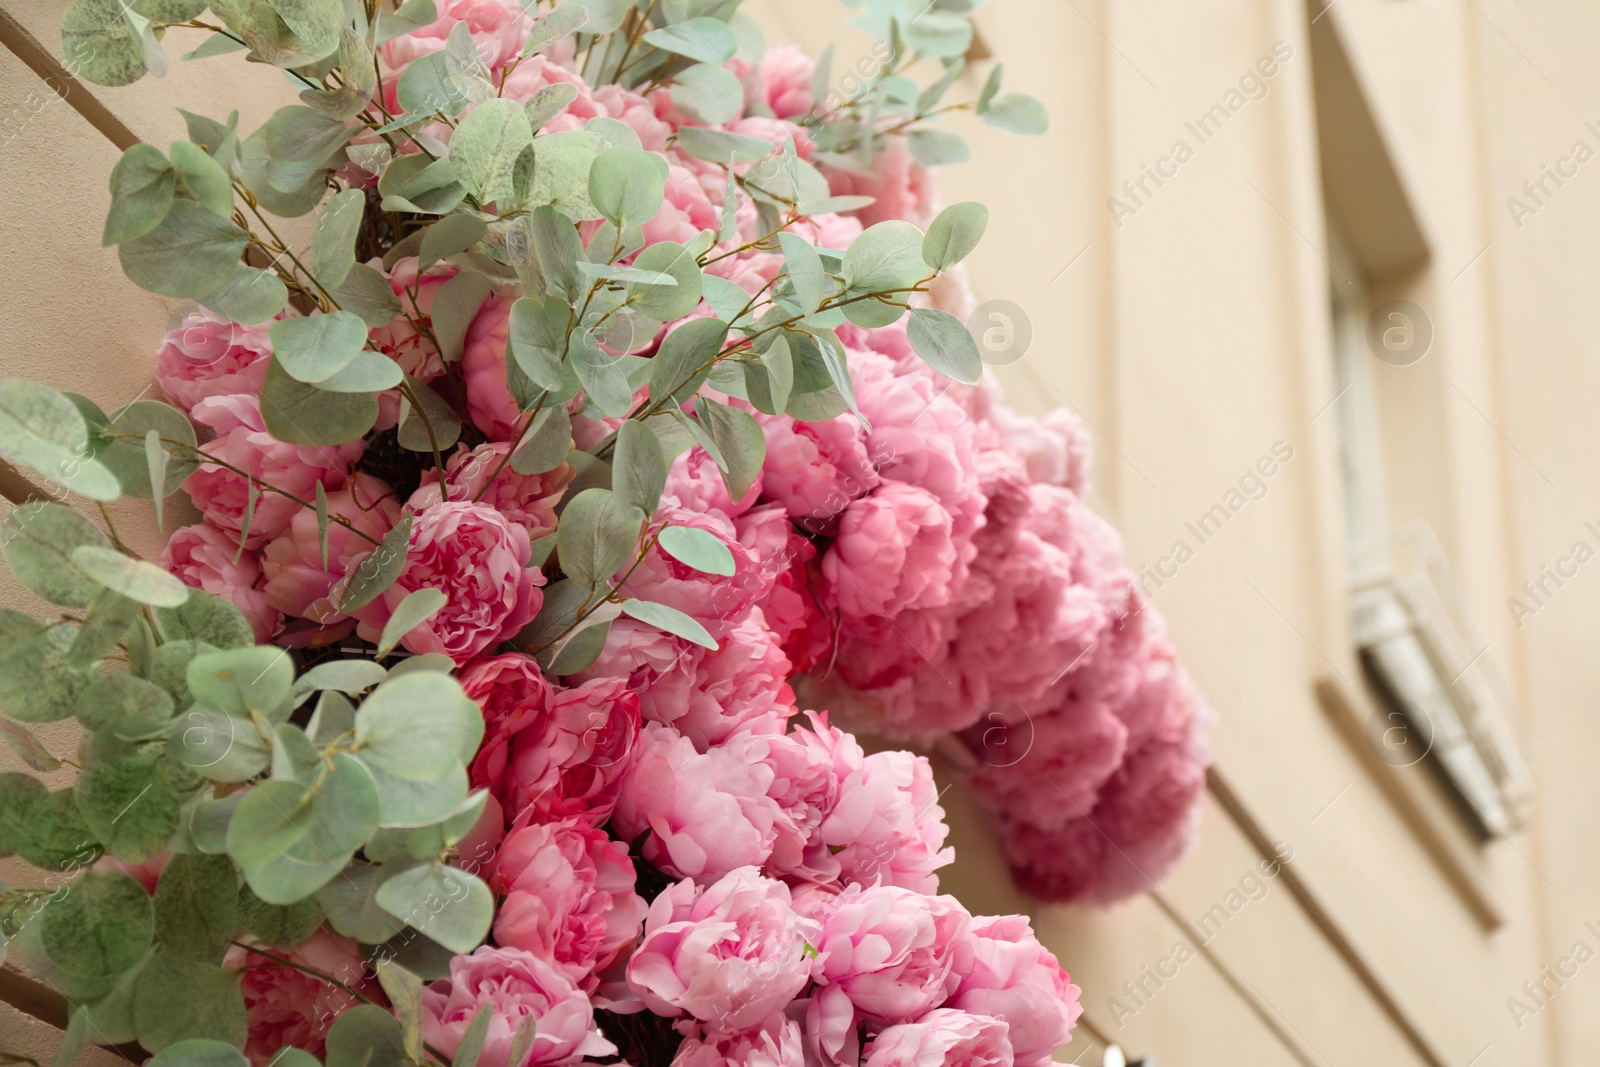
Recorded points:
(1356, 238)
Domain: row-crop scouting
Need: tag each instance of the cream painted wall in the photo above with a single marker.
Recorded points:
(1191, 338)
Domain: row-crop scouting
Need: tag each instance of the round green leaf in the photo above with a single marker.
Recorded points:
(708, 93)
(667, 302)
(127, 457)
(418, 727)
(100, 43)
(247, 295)
(369, 372)
(39, 681)
(43, 429)
(597, 536)
(485, 147)
(99, 928)
(133, 578)
(202, 1053)
(143, 184)
(188, 255)
(885, 256)
(366, 1036)
(944, 344)
(954, 234)
(129, 804)
(316, 347)
(278, 924)
(124, 701)
(197, 907)
(302, 414)
(1018, 113)
(208, 618)
(181, 1000)
(697, 548)
(38, 540)
(272, 817)
(449, 905)
(625, 186)
(704, 39)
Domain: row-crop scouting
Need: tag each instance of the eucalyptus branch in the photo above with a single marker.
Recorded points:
(433, 440)
(206, 457)
(591, 605)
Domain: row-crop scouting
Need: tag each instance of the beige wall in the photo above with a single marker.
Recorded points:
(1192, 338)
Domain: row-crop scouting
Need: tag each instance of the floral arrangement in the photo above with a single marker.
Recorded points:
(591, 442)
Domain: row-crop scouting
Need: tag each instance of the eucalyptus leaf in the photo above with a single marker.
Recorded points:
(129, 804)
(38, 539)
(953, 235)
(804, 268)
(625, 185)
(205, 617)
(367, 293)
(302, 414)
(1017, 113)
(100, 43)
(38, 680)
(133, 578)
(937, 148)
(418, 726)
(685, 357)
(707, 93)
(333, 238)
(417, 608)
(597, 536)
(546, 443)
(448, 905)
(669, 620)
(639, 468)
(143, 185)
(188, 254)
(703, 39)
(242, 681)
(366, 1036)
(247, 295)
(739, 438)
(278, 924)
(378, 569)
(667, 303)
(98, 928)
(316, 347)
(127, 455)
(945, 344)
(197, 907)
(204, 178)
(885, 256)
(42, 429)
(430, 413)
(561, 172)
(183, 1000)
(485, 147)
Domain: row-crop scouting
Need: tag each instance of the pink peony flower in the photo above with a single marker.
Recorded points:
(498, 30)
(705, 814)
(243, 441)
(807, 767)
(1049, 768)
(569, 897)
(776, 1042)
(288, 1008)
(786, 75)
(891, 951)
(517, 986)
(887, 825)
(483, 366)
(529, 500)
(1010, 976)
(209, 356)
(297, 581)
(729, 954)
(479, 559)
(695, 484)
(944, 1037)
(1055, 446)
(706, 695)
(203, 557)
(788, 581)
(548, 751)
(814, 469)
(901, 187)
(894, 552)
